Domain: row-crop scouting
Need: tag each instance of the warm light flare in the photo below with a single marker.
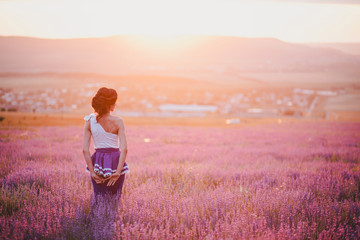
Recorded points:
(287, 20)
(163, 43)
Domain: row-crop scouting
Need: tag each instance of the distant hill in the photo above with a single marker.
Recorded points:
(349, 48)
(195, 54)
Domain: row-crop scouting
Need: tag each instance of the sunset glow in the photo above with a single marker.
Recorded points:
(287, 20)
(238, 119)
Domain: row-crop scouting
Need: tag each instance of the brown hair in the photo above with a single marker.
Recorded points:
(101, 102)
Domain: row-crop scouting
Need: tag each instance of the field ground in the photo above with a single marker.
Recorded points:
(36, 119)
(259, 179)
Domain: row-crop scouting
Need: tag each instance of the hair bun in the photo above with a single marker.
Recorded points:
(103, 99)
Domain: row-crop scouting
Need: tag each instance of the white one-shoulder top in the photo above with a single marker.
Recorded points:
(101, 138)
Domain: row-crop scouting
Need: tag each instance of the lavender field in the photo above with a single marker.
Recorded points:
(275, 181)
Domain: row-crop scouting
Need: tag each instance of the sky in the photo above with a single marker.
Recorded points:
(287, 20)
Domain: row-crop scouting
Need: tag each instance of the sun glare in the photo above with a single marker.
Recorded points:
(163, 43)
(289, 21)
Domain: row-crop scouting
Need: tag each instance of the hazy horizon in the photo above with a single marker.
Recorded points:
(174, 36)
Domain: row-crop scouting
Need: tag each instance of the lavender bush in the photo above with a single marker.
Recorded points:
(285, 181)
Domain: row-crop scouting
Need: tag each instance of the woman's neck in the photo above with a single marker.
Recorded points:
(106, 114)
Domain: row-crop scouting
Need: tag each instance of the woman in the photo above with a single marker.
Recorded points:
(107, 165)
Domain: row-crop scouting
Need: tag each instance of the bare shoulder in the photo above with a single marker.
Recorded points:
(87, 125)
(118, 121)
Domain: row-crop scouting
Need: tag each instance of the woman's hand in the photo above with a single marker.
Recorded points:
(114, 177)
(97, 178)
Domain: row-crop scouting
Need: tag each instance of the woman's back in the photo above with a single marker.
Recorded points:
(104, 132)
(109, 124)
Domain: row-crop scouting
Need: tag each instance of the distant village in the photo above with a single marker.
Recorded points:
(295, 102)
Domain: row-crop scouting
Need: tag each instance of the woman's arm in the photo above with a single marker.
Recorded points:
(123, 146)
(86, 152)
(86, 145)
